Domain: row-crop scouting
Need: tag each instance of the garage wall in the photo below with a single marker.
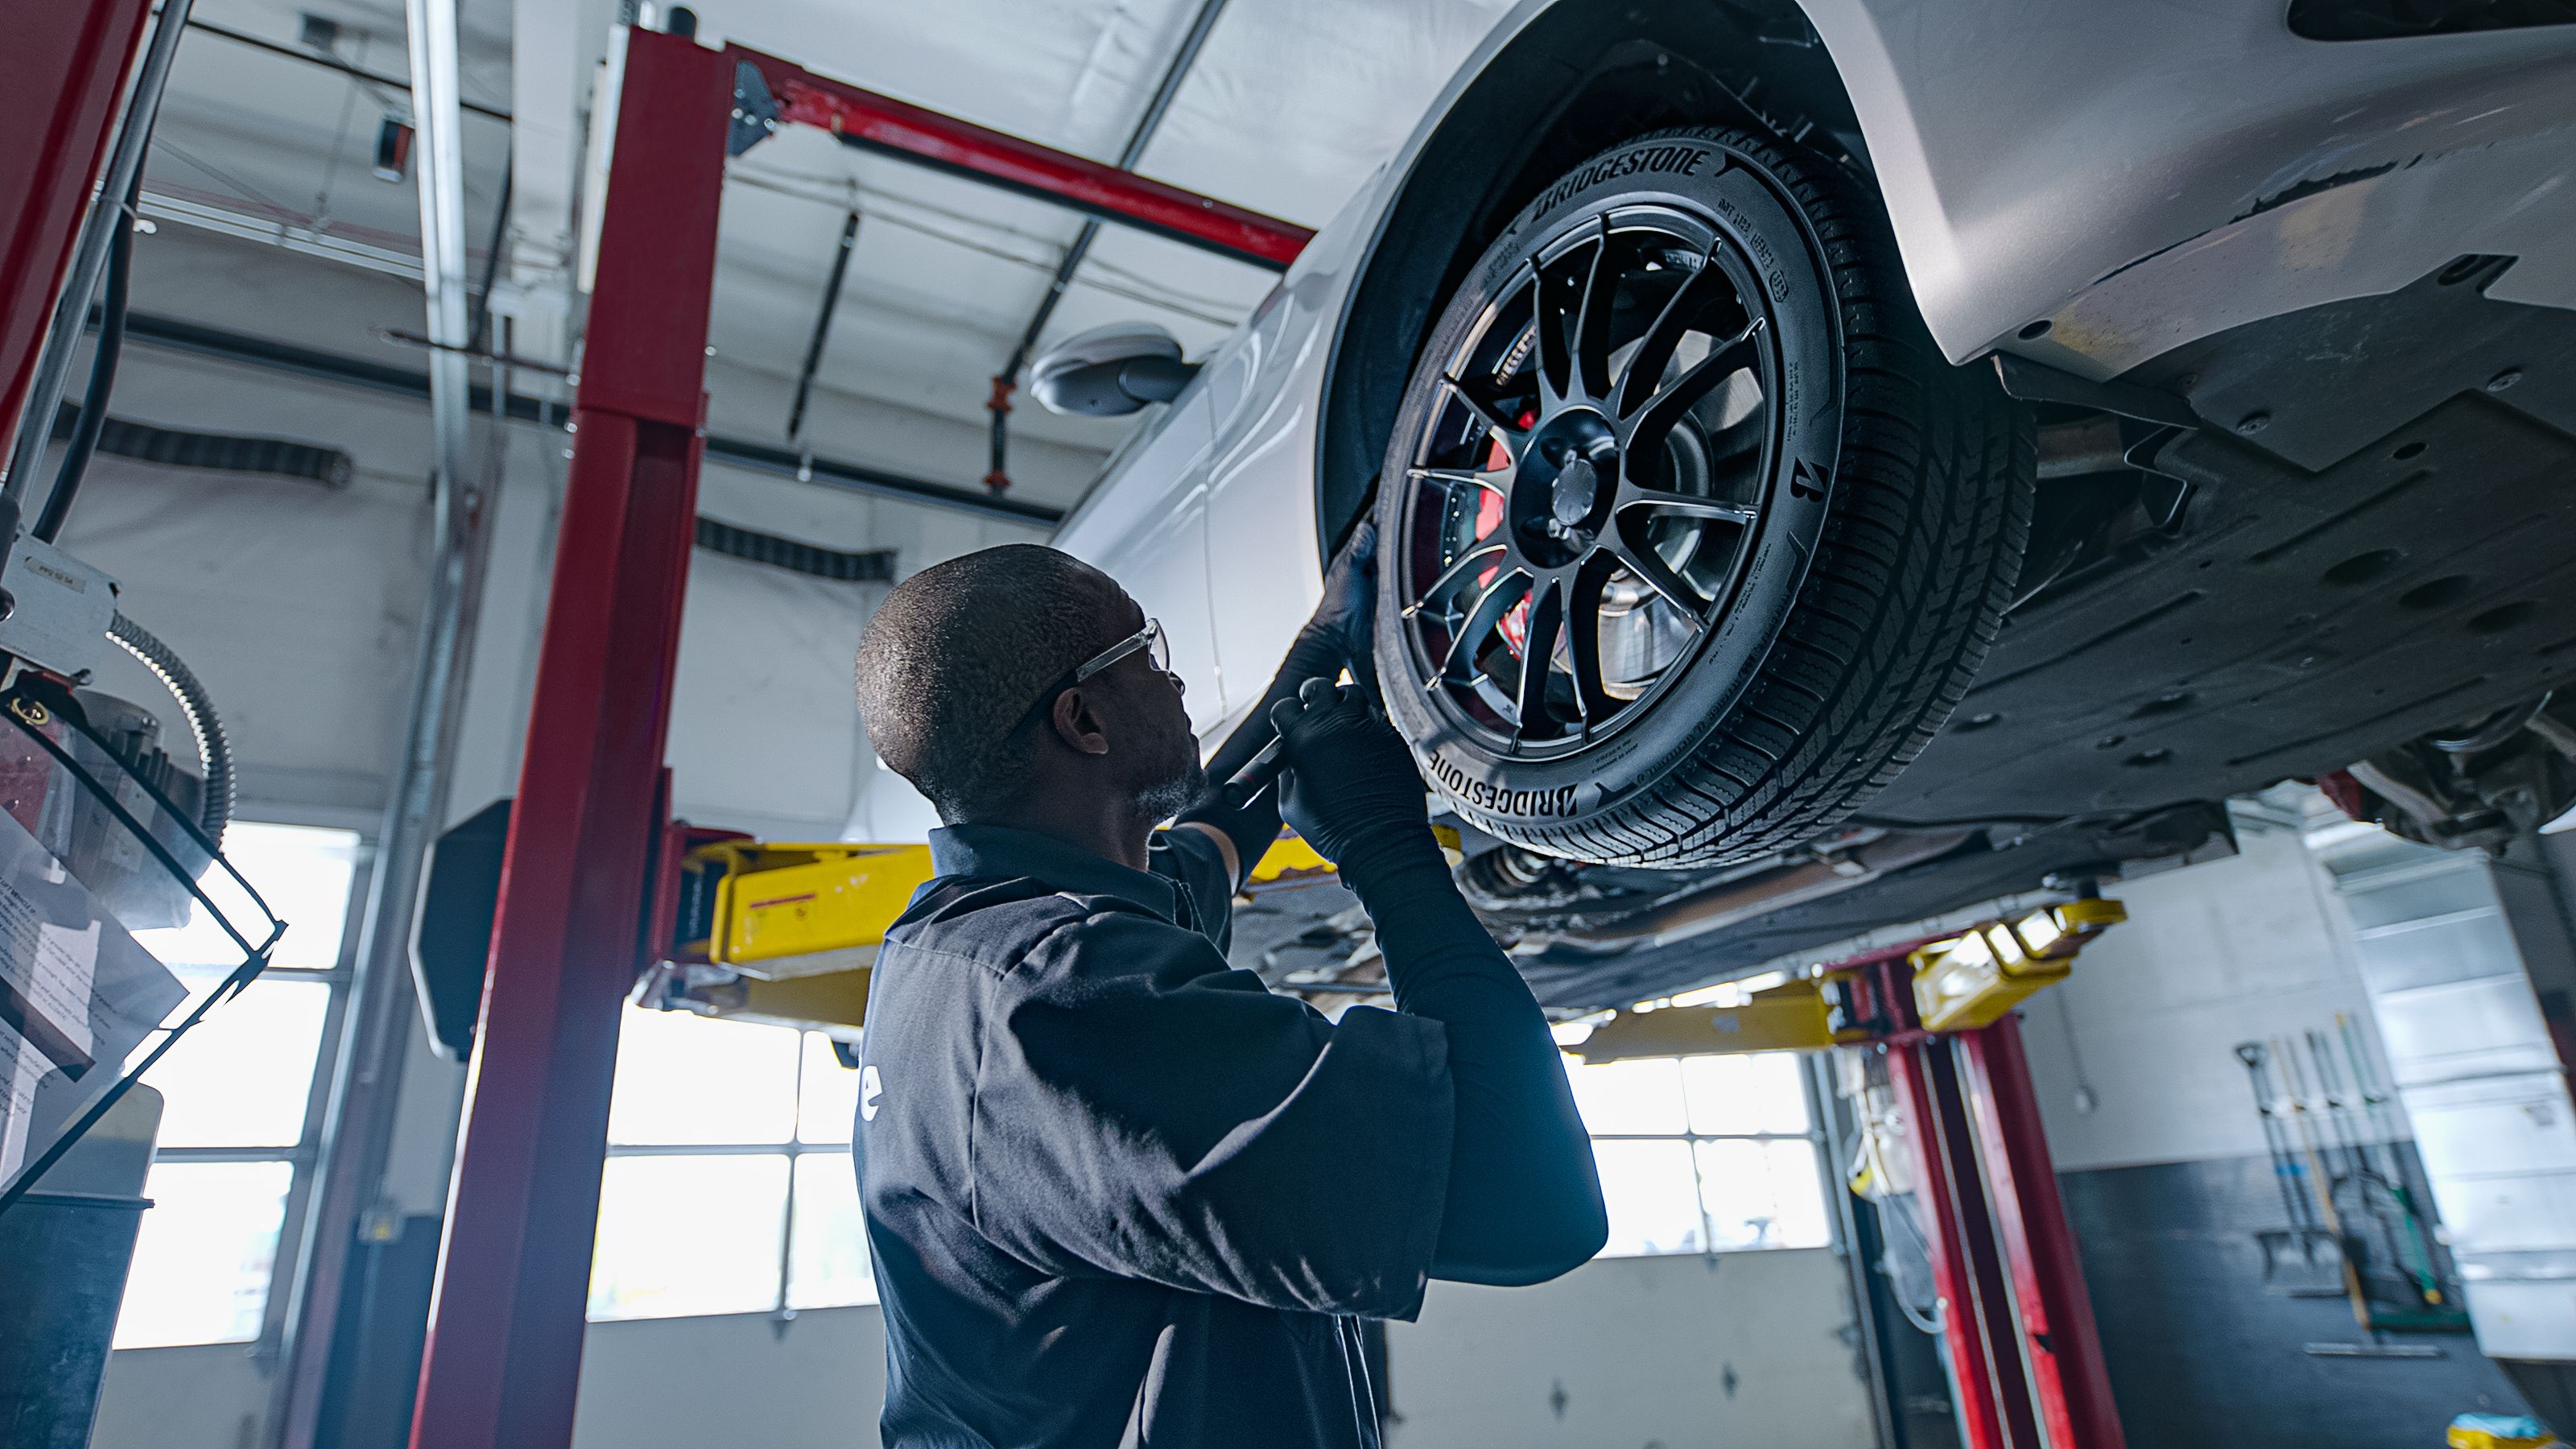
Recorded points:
(1685, 1352)
(1740, 1349)
(2236, 950)
(1731, 1350)
(2167, 1180)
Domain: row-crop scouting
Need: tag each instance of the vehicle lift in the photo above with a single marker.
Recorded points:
(594, 869)
(2022, 1349)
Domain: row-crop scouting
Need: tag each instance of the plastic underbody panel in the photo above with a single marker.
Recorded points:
(2390, 549)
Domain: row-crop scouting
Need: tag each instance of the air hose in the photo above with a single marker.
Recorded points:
(213, 752)
(102, 373)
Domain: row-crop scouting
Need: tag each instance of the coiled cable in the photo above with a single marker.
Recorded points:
(214, 752)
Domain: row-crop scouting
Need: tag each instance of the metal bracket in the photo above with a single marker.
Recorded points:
(2038, 382)
(755, 111)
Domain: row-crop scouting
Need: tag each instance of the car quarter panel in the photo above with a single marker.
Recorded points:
(2095, 166)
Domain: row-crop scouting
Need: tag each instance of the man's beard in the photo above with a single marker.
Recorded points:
(1179, 790)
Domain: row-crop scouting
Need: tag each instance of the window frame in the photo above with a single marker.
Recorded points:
(304, 1157)
(795, 1149)
(1820, 1144)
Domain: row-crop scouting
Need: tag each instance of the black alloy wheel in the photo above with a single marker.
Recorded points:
(1593, 515)
(1690, 537)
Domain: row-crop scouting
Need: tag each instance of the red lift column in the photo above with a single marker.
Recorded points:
(506, 1323)
(62, 77)
(2064, 1344)
(2025, 1355)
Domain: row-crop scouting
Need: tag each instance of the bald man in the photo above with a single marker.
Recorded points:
(1112, 1185)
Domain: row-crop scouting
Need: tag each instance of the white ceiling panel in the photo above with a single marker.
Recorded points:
(1288, 108)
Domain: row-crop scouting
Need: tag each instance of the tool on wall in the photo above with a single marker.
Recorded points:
(2338, 1157)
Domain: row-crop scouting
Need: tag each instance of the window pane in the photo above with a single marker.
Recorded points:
(302, 871)
(1765, 1092)
(827, 1262)
(688, 1235)
(1763, 1194)
(243, 1076)
(1653, 1202)
(684, 1079)
(828, 1096)
(1619, 1098)
(202, 1260)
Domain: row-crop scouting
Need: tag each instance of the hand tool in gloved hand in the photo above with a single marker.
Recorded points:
(1256, 775)
(1334, 639)
(1352, 789)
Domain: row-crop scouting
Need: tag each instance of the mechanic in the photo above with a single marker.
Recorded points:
(1112, 1184)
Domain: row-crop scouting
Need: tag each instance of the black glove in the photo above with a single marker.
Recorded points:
(1336, 636)
(1346, 618)
(1350, 786)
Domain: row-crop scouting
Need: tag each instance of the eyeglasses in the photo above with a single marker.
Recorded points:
(1158, 652)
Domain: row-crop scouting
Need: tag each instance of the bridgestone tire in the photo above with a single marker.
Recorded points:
(1867, 605)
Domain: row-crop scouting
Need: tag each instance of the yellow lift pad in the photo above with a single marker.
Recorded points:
(778, 911)
(1971, 979)
(1791, 1017)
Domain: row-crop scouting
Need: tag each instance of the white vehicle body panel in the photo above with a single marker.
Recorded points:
(1252, 489)
(2146, 173)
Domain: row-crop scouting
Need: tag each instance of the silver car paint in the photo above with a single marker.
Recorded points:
(2139, 174)
(2147, 172)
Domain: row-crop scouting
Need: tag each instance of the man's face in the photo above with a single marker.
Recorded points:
(1151, 727)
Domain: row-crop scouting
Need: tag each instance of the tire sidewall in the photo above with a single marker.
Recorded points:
(1702, 173)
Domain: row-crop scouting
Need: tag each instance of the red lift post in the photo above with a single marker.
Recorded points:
(63, 73)
(2024, 1351)
(506, 1321)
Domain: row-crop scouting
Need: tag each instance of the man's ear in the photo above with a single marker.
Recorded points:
(1078, 723)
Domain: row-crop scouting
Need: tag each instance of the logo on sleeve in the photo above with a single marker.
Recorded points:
(870, 1090)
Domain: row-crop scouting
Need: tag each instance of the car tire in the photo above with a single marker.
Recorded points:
(1736, 651)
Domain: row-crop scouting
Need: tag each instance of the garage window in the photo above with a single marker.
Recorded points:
(241, 1121)
(1705, 1154)
(728, 1186)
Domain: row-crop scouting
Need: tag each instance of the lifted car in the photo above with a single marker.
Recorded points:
(1832, 467)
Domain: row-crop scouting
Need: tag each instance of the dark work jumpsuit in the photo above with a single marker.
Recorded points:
(1106, 1174)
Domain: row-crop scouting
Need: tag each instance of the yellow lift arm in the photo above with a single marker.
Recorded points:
(785, 934)
(1961, 981)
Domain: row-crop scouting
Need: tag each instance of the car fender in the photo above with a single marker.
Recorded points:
(2126, 178)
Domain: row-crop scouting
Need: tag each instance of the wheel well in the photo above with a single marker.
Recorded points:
(1577, 79)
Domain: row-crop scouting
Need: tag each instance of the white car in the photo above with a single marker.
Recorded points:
(1844, 459)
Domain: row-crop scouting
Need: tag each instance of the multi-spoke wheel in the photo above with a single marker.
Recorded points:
(1675, 487)
(1585, 518)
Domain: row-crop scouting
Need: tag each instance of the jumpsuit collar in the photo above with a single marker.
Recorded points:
(998, 852)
